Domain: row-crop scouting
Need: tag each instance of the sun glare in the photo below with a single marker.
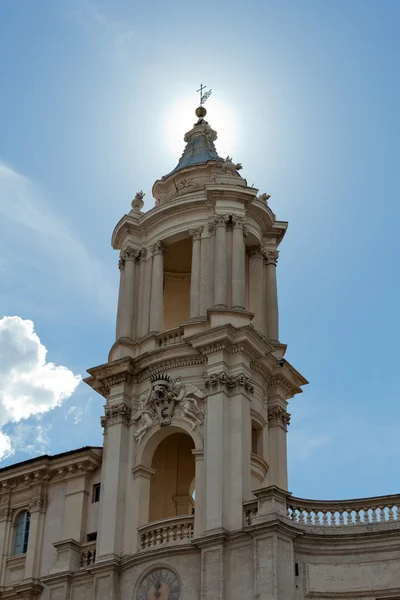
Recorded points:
(181, 117)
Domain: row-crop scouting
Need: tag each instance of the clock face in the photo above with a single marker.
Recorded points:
(160, 584)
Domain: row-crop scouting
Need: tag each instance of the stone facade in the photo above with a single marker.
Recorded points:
(188, 498)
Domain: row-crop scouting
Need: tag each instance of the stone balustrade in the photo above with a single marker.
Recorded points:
(170, 337)
(88, 554)
(174, 531)
(345, 513)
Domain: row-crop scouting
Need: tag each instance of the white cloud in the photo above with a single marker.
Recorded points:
(46, 248)
(76, 413)
(28, 384)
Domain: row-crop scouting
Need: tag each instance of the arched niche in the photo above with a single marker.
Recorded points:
(177, 272)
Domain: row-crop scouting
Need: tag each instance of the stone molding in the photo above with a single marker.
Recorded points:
(5, 513)
(278, 417)
(115, 414)
(167, 365)
(129, 253)
(196, 233)
(282, 383)
(239, 223)
(47, 469)
(233, 384)
(109, 382)
(212, 348)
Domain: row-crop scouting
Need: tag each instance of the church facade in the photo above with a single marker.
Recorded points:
(188, 497)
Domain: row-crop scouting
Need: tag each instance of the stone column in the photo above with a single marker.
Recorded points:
(5, 526)
(238, 264)
(220, 262)
(200, 495)
(157, 288)
(272, 321)
(256, 287)
(114, 476)
(75, 508)
(141, 502)
(195, 234)
(37, 508)
(278, 420)
(126, 300)
(147, 265)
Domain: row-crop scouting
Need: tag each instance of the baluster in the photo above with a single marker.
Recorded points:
(374, 518)
(313, 516)
(179, 532)
(366, 516)
(325, 517)
(357, 516)
(349, 517)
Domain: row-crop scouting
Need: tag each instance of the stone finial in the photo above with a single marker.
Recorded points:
(137, 203)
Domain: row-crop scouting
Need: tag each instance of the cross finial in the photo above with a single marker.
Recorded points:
(203, 97)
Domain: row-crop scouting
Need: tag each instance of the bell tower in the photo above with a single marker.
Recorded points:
(196, 387)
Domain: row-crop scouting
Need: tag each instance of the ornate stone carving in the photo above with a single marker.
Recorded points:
(38, 504)
(5, 510)
(229, 167)
(185, 184)
(278, 417)
(218, 221)
(158, 248)
(158, 404)
(137, 203)
(238, 222)
(128, 253)
(264, 197)
(196, 233)
(168, 365)
(233, 384)
(116, 413)
(270, 256)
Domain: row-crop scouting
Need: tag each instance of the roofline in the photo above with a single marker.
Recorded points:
(49, 457)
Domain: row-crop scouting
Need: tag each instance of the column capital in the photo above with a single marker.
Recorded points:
(158, 248)
(115, 414)
(143, 254)
(128, 253)
(233, 384)
(238, 222)
(38, 504)
(270, 256)
(218, 221)
(278, 417)
(196, 233)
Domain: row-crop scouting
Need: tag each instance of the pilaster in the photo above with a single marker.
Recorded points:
(157, 284)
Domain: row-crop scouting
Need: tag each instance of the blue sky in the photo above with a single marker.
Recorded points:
(88, 105)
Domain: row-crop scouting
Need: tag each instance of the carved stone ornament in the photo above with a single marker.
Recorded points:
(186, 184)
(218, 221)
(232, 384)
(116, 413)
(196, 233)
(270, 256)
(137, 203)
(128, 253)
(158, 404)
(229, 167)
(5, 513)
(278, 417)
(38, 504)
(264, 197)
(158, 248)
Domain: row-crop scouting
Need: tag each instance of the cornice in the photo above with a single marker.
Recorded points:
(169, 364)
(229, 339)
(103, 377)
(47, 471)
(233, 384)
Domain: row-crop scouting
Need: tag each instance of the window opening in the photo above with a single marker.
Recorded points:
(22, 533)
(96, 492)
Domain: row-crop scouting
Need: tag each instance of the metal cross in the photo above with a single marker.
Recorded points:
(202, 87)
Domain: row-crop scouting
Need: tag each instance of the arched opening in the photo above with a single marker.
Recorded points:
(21, 535)
(177, 270)
(171, 485)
